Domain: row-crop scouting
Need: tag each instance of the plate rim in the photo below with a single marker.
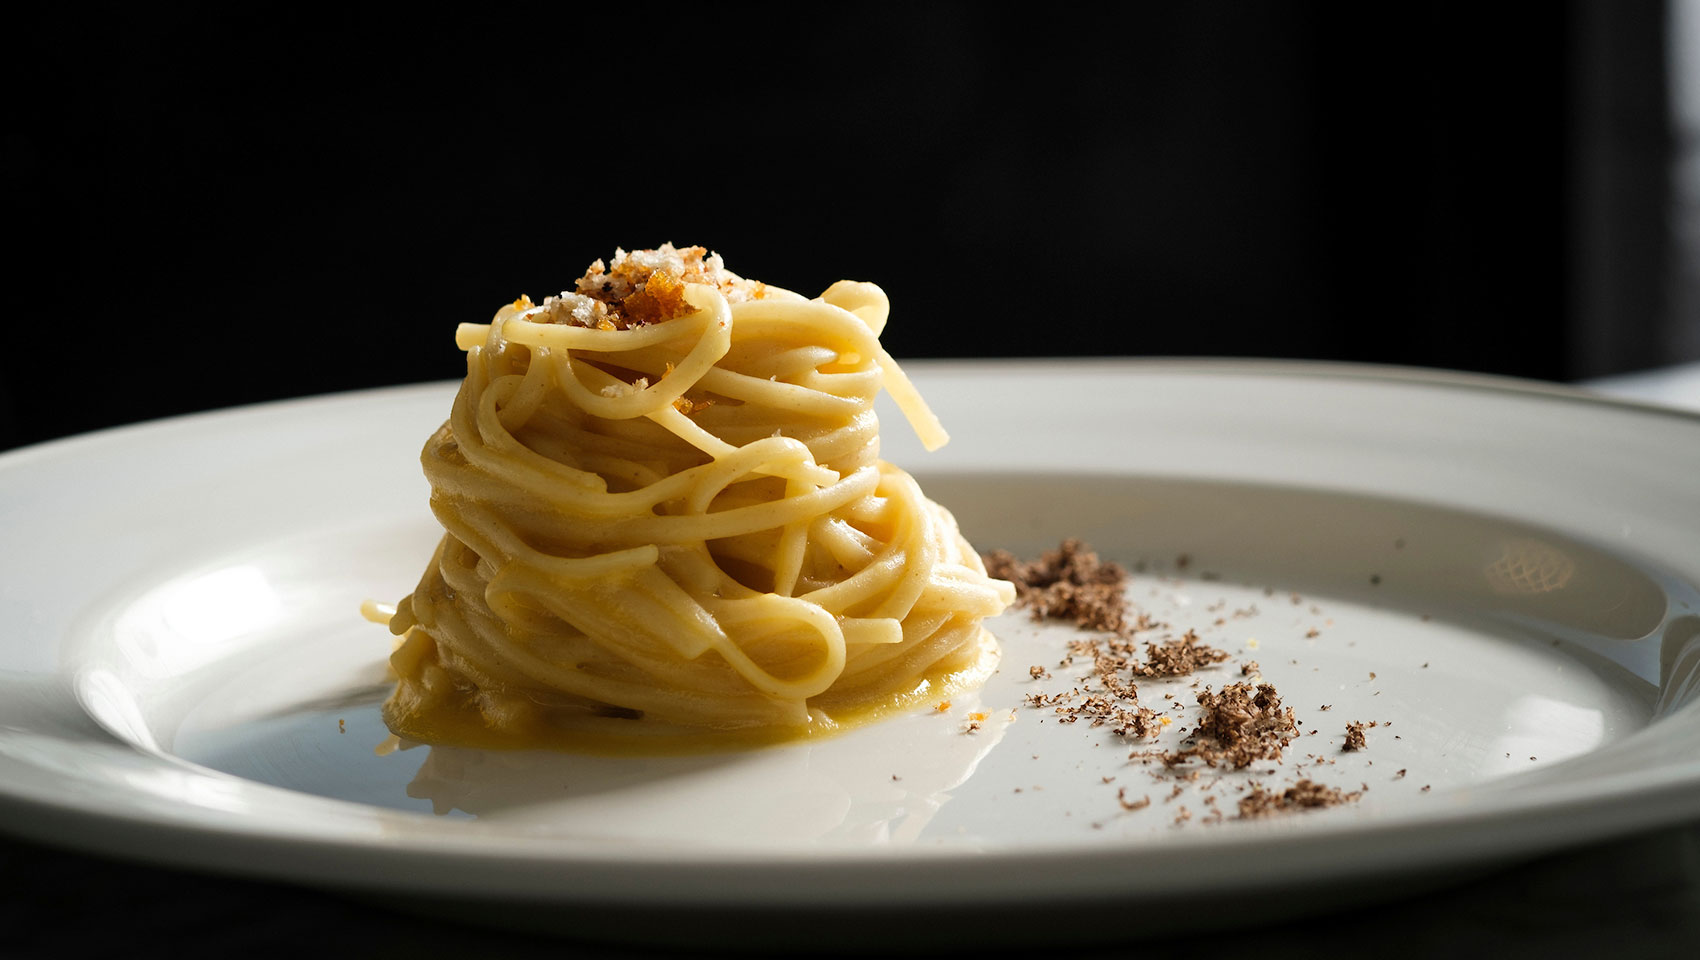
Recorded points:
(77, 824)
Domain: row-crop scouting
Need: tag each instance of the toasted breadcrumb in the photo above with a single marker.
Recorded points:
(643, 287)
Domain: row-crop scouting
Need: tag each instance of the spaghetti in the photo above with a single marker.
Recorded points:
(665, 515)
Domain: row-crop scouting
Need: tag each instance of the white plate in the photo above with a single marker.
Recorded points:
(1505, 571)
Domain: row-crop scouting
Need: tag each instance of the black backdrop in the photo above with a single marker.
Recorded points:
(219, 206)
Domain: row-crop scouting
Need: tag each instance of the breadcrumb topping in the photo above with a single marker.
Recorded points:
(642, 287)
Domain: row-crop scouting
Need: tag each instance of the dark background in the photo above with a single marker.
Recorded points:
(218, 206)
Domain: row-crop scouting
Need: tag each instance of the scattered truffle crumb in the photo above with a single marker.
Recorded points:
(1241, 728)
(1238, 727)
(1178, 657)
(1306, 794)
(1140, 804)
(1068, 583)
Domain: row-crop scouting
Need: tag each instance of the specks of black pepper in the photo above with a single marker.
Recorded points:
(1183, 561)
(1425, 788)
(1399, 543)
(1375, 579)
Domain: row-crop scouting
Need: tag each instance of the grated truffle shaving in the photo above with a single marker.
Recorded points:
(1238, 727)
(1302, 795)
(1068, 583)
(1178, 657)
(1243, 724)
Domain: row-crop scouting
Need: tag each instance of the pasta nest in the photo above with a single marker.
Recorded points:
(684, 524)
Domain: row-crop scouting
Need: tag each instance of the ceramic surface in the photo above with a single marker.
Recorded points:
(1500, 575)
